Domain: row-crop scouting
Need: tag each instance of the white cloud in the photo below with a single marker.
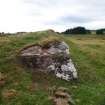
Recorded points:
(33, 15)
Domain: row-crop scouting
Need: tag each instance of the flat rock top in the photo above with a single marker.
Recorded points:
(34, 50)
(47, 49)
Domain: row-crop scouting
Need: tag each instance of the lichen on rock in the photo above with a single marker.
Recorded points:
(52, 56)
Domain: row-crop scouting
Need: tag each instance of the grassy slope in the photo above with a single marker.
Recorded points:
(87, 52)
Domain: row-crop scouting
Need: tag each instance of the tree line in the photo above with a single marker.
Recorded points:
(83, 30)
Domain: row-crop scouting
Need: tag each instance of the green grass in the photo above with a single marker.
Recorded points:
(88, 54)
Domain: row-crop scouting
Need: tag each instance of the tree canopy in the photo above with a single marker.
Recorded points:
(76, 30)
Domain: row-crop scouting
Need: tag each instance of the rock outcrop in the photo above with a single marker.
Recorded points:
(52, 56)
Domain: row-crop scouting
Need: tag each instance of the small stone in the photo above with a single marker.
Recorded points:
(9, 94)
(62, 97)
(2, 79)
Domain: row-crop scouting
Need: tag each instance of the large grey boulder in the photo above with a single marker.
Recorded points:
(53, 57)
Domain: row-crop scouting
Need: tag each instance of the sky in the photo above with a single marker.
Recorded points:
(59, 15)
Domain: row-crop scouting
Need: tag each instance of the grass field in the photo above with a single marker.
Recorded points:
(88, 54)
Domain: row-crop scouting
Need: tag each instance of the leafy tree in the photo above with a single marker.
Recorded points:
(100, 31)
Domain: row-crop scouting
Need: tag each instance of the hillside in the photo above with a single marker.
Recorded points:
(88, 54)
